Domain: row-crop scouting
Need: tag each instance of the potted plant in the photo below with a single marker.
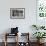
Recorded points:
(35, 26)
(39, 35)
(38, 27)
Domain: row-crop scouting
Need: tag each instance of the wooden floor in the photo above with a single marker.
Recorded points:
(13, 44)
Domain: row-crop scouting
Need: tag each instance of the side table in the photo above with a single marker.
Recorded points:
(8, 34)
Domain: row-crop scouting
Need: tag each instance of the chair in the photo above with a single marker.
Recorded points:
(26, 41)
(14, 32)
(7, 34)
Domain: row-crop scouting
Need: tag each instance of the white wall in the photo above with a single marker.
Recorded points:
(23, 24)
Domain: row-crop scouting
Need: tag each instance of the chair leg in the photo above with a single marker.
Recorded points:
(5, 43)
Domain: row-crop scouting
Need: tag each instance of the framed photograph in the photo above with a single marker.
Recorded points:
(17, 13)
(41, 12)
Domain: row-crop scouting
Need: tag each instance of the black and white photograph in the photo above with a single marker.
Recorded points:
(17, 13)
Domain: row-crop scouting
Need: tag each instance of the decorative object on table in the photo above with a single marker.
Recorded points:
(14, 30)
(17, 13)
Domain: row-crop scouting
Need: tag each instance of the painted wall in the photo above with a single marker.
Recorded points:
(23, 24)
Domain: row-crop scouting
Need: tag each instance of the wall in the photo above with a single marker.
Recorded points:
(23, 24)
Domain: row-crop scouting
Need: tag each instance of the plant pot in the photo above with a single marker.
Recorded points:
(40, 41)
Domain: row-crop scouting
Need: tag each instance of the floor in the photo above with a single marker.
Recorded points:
(13, 44)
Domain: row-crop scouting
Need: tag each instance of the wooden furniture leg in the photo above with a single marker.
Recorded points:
(7, 34)
(17, 39)
(5, 40)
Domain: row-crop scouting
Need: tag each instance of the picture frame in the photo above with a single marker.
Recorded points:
(41, 8)
(17, 13)
(41, 12)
